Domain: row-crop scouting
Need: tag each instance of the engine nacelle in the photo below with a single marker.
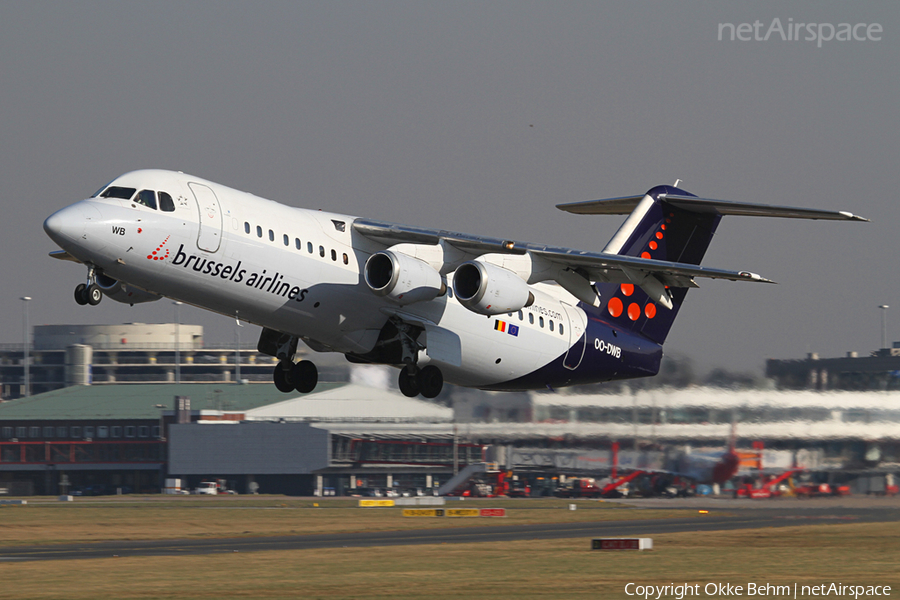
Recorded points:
(402, 278)
(490, 290)
(123, 292)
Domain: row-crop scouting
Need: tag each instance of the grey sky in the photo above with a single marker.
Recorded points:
(477, 117)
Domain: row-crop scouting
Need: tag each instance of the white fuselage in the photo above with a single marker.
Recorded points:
(298, 271)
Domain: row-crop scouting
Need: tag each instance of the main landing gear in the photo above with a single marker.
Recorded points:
(413, 381)
(90, 292)
(427, 381)
(289, 376)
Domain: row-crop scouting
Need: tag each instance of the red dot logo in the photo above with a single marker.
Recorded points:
(650, 310)
(627, 289)
(634, 311)
(654, 245)
(614, 307)
(154, 255)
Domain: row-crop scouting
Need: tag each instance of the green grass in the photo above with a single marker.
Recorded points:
(161, 517)
(848, 553)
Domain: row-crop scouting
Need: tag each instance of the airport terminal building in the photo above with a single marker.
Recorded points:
(344, 437)
(125, 407)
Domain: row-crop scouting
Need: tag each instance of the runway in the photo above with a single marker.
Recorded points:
(735, 518)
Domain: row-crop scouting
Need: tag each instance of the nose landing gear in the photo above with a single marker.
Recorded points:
(90, 292)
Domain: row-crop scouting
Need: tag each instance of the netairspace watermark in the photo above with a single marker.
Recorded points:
(685, 590)
(795, 32)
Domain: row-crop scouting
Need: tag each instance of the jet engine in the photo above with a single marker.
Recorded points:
(123, 292)
(490, 290)
(402, 278)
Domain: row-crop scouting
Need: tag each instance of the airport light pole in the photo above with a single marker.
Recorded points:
(883, 308)
(27, 343)
(177, 343)
(237, 353)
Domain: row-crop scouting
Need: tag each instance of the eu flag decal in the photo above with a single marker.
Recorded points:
(513, 330)
(500, 325)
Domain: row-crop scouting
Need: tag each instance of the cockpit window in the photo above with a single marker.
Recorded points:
(166, 203)
(147, 198)
(115, 191)
(97, 193)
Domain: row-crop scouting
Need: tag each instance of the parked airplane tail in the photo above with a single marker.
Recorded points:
(672, 225)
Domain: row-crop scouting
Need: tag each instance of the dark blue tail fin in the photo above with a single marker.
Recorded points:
(659, 230)
(669, 224)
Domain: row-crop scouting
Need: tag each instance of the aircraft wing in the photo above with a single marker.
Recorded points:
(390, 234)
(595, 266)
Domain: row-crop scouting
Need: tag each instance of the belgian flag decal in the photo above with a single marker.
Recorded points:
(509, 328)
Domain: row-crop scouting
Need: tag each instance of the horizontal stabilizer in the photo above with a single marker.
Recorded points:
(625, 204)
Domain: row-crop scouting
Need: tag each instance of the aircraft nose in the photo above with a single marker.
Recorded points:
(67, 224)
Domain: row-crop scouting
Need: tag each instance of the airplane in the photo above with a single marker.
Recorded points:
(474, 311)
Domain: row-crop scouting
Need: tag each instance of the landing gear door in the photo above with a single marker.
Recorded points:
(577, 339)
(210, 233)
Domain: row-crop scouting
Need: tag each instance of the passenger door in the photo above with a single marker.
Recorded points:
(210, 234)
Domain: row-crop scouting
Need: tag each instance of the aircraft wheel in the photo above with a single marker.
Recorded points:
(430, 381)
(409, 386)
(282, 379)
(305, 376)
(93, 294)
(80, 295)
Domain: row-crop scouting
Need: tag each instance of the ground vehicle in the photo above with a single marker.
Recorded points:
(518, 489)
(579, 487)
(213, 487)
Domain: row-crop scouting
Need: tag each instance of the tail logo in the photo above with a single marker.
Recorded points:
(157, 254)
(616, 306)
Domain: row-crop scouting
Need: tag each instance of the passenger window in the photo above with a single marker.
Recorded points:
(121, 193)
(531, 318)
(246, 227)
(287, 240)
(333, 255)
(297, 243)
(521, 316)
(322, 251)
(271, 236)
(166, 203)
(551, 324)
(346, 259)
(147, 198)
(541, 321)
(309, 247)
(560, 329)
(258, 231)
